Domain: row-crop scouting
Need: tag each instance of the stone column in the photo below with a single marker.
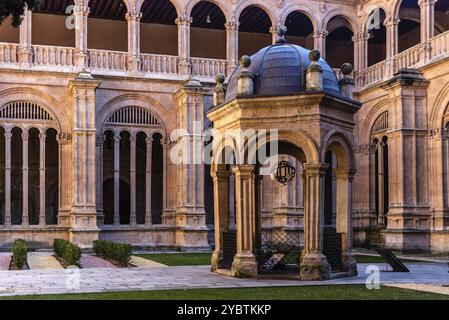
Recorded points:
(148, 216)
(245, 262)
(190, 214)
(427, 27)
(133, 215)
(65, 179)
(117, 180)
(84, 212)
(99, 178)
(314, 265)
(25, 52)
(8, 136)
(360, 40)
(81, 13)
(319, 37)
(380, 183)
(391, 24)
(25, 175)
(133, 19)
(409, 208)
(184, 23)
(232, 46)
(344, 193)
(221, 214)
(42, 186)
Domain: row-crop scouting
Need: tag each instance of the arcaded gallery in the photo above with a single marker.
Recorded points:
(92, 93)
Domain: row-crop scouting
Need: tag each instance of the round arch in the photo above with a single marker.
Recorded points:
(338, 13)
(371, 118)
(142, 101)
(192, 3)
(258, 3)
(341, 146)
(48, 103)
(441, 107)
(304, 9)
(173, 2)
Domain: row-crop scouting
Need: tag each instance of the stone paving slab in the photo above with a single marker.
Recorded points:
(39, 261)
(5, 261)
(88, 261)
(31, 282)
(145, 263)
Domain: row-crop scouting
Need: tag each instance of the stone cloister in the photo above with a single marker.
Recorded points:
(89, 104)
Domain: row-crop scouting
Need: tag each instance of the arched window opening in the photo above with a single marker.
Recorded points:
(51, 177)
(299, 30)
(409, 29)
(208, 23)
(108, 173)
(8, 33)
(441, 17)
(157, 187)
(107, 26)
(141, 168)
(330, 214)
(339, 44)
(125, 177)
(377, 42)
(16, 176)
(34, 149)
(158, 31)
(254, 31)
(380, 165)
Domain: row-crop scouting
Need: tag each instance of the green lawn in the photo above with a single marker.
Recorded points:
(198, 259)
(337, 292)
(180, 259)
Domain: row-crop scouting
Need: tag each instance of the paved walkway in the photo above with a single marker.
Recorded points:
(43, 260)
(440, 289)
(89, 261)
(5, 261)
(128, 279)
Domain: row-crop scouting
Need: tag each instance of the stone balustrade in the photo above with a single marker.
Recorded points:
(8, 53)
(107, 60)
(154, 63)
(208, 67)
(53, 56)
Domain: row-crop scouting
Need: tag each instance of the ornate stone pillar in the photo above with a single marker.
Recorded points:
(391, 24)
(65, 179)
(344, 194)
(360, 40)
(133, 215)
(133, 19)
(25, 175)
(117, 180)
(190, 214)
(81, 12)
(221, 214)
(319, 37)
(84, 212)
(148, 216)
(381, 181)
(427, 27)
(245, 262)
(232, 46)
(8, 136)
(42, 187)
(314, 265)
(25, 53)
(184, 22)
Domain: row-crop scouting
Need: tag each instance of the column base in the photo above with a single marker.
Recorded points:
(84, 237)
(244, 266)
(216, 261)
(315, 267)
(349, 264)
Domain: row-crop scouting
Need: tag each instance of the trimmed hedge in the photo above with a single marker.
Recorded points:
(70, 252)
(119, 252)
(19, 253)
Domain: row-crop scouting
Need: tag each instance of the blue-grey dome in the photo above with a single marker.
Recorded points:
(280, 70)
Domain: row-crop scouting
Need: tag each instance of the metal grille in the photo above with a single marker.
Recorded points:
(134, 116)
(229, 248)
(280, 252)
(332, 249)
(381, 123)
(24, 110)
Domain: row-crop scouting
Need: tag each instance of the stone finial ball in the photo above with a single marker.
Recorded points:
(282, 31)
(346, 68)
(245, 61)
(314, 55)
(220, 78)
